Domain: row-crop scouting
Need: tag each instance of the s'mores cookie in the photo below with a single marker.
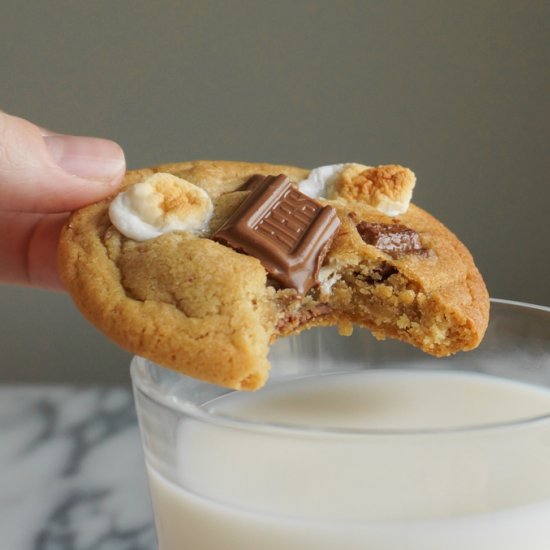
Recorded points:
(200, 266)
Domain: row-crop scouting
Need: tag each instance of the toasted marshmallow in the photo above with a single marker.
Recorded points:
(387, 188)
(320, 180)
(159, 205)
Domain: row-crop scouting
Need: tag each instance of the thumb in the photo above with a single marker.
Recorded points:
(46, 172)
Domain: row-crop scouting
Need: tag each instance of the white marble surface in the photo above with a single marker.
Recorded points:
(72, 471)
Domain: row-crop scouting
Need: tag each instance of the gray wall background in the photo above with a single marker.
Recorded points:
(457, 91)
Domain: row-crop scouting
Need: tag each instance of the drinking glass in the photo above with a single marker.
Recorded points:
(221, 479)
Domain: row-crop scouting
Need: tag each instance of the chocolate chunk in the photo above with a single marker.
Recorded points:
(289, 232)
(293, 320)
(394, 239)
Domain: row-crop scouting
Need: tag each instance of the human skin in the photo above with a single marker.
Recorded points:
(43, 176)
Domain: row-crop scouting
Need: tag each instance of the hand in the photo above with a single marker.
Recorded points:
(43, 176)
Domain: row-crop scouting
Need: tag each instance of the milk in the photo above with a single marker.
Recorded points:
(397, 467)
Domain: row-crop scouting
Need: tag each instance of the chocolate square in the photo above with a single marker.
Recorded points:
(289, 232)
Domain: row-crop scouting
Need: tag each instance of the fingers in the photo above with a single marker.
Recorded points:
(45, 172)
(43, 175)
(28, 254)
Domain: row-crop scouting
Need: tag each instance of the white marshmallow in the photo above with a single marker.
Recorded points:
(320, 180)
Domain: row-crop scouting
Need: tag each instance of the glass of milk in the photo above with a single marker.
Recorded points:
(358, 444)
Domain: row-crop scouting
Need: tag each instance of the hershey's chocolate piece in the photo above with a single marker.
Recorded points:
(289, 232)
(393, 239)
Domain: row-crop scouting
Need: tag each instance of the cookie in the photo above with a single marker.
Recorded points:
(200, 266)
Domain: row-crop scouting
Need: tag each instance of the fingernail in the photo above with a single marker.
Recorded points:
(86, 157)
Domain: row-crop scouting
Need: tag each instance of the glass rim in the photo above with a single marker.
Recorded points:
(201, 414)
